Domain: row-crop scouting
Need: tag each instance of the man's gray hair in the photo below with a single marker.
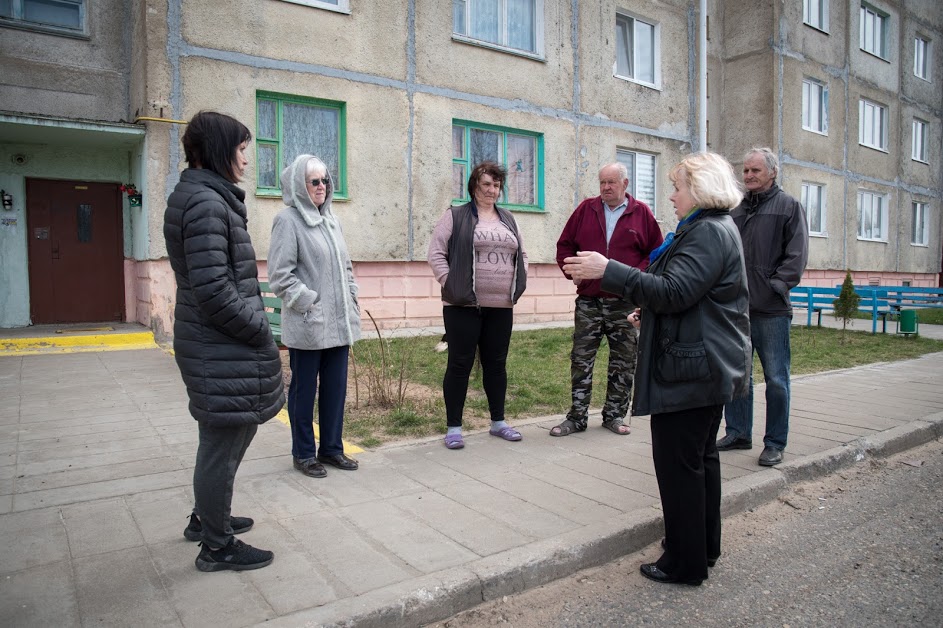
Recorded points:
(623, 171)
(772, 161)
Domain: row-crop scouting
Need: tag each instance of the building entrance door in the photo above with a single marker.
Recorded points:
(76, 251)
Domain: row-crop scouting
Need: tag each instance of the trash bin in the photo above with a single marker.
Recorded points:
(907, 322)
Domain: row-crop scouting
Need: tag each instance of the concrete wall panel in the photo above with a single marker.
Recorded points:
(371, 39)
(471, 69)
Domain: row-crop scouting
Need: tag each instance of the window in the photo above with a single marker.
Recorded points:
(341, 6)
(521, 152)
(920, 140)
(637, 46)
(921, 227)
(872, 216)
(872, 125)
(874, 31)
(813, 200)
(66, 16)
(814, 106)
(288, 126)
(641, 167)
(815, 14)
(921, 58)
(514, 25)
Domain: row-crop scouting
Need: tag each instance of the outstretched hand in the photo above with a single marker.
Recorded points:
(586, 265)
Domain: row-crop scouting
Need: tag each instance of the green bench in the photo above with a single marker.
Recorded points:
(273, 310)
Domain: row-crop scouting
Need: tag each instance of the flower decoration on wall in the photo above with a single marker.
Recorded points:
(134, 196)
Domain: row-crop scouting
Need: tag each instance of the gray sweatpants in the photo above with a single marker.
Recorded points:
(217, 460)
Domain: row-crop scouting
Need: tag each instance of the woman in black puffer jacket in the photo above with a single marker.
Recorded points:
(222, 340)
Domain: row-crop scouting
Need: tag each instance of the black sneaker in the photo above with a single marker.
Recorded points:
(237, 556)
(194, 530)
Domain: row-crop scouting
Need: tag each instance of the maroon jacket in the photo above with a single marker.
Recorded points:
(636, 235)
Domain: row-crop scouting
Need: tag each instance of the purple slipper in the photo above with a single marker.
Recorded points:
(507, 433)
(454, 441)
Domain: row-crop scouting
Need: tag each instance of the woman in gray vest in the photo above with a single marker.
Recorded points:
(478, 258)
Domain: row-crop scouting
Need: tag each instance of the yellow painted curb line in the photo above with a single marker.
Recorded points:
(348, 448)
(77, 344)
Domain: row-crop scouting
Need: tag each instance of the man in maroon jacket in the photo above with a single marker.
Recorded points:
(624, 229)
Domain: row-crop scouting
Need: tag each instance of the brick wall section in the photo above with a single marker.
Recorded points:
(404, 294)
(832, 278)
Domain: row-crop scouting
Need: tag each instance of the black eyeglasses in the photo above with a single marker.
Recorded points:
(325, 181)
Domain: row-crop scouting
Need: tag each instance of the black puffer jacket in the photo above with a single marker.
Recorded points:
(694, 343)
(222, 340)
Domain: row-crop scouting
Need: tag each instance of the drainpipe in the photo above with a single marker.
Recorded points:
(702, 62)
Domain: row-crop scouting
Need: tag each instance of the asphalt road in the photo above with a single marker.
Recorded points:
(863, 547)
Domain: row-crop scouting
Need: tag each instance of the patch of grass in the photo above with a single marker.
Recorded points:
(539, 377)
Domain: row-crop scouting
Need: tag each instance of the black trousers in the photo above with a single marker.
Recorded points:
(687, 466)
(487, 329)
(217, 459)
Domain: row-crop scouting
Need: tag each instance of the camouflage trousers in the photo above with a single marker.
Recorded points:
(593, 319)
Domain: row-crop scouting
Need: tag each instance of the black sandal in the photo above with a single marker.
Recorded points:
(569, 426)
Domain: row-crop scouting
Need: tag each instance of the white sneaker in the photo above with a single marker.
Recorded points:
(442, 346)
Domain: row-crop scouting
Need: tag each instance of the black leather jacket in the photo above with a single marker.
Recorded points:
(694, 343)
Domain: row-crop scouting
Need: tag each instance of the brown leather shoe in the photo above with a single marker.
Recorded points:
(310, 467)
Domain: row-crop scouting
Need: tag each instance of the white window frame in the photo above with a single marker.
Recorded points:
(815, 14)
(342, 6)
(814, 96)
(17, 20)
(923, 238)
(625, 154)
(920, 135)
(922, 55)
(656, 49)
(537, 53)
(873, 202)
(871, 41)
(805, 199)
(874, 115)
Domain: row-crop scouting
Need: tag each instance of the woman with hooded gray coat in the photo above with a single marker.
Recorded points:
(311, 271)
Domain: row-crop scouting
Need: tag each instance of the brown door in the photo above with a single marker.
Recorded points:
(75, 251)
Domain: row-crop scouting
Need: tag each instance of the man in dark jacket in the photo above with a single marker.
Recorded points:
(775, 238)
(624, 229)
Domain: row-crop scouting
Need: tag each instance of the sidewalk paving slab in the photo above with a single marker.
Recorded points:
(96, 461)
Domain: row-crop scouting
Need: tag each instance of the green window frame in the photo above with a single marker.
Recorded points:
(524, 189)
(278, 114)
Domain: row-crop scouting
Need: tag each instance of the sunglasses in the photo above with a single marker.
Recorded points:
(325, 181)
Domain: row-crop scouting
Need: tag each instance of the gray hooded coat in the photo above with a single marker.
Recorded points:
(310, 269)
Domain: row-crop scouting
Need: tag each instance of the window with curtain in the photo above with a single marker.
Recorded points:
(872, 216)
(521, 152)
(920, 234)
(920, 140)
(922, 58)
(641, 168)
(814, 106)
(637, 57)
(55, 15)
(872, 125)
(812, 199)
(873, 31)
(516, 25)
(288, 126)
(815, 14)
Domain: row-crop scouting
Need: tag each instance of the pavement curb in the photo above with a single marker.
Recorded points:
(73, 343)
(438, 596)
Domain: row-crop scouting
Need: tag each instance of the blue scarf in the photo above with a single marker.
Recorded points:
(671, 236)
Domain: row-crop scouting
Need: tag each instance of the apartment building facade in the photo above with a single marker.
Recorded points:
(401, 98)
